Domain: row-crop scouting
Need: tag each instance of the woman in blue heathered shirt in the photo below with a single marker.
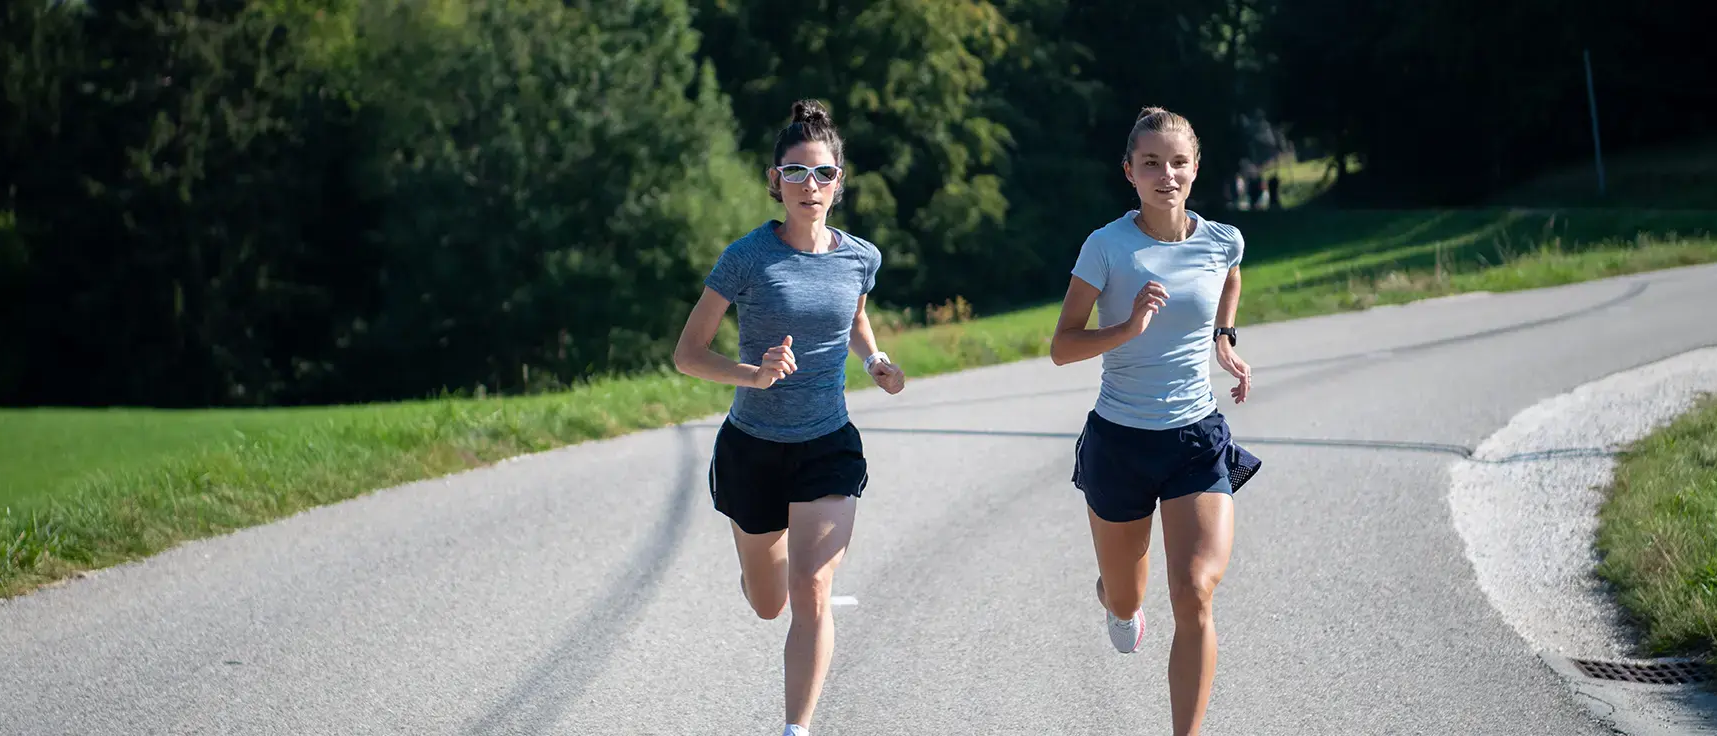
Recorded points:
(788, 467)
(1166, 284)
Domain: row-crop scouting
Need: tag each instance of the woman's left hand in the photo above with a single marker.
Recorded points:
(888, 376)
(1231, 362)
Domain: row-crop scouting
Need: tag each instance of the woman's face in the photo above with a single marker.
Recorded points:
(820, 178)
(1162, 169)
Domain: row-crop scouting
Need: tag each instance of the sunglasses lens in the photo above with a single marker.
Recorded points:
(796, 173)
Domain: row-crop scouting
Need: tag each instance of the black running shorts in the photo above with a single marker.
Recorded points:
(752, 480)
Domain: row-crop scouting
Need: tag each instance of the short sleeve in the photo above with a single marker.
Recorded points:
(1092, 266)
(732, 272)
(1236, 249)
(872, 264)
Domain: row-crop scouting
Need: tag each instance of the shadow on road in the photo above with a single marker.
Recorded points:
(1351, 444)
(537, 702)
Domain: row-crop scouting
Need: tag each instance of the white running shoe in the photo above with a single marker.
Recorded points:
(1125, 634)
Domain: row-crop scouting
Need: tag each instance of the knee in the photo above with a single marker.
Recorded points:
(1192, 594)
(808, 591)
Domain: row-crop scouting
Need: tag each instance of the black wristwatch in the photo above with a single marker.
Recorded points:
(1233, 337)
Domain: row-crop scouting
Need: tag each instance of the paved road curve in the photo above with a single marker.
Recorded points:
(592, 590)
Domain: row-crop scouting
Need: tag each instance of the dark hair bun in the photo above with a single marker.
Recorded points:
(1147, 112)
(811, 112)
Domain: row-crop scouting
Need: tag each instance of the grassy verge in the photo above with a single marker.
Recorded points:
(1306, 262)
(1658, 534)
(223, 471)
(1303, 263)
(86, 489)
(1681, 175)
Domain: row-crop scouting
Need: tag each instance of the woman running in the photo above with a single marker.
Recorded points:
(1166, 283)
(788, 466)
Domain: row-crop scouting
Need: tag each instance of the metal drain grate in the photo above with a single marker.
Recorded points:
(1660, 672)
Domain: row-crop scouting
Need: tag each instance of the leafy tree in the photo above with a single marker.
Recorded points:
(166, 182)
(555, 179)
(906, 83)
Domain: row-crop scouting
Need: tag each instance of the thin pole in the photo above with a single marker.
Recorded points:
(1592, 102)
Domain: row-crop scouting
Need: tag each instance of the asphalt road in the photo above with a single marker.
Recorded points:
(592, 590)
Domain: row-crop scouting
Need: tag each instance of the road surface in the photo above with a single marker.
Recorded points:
(592, 590)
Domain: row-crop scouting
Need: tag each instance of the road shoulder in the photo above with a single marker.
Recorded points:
(1525, 505)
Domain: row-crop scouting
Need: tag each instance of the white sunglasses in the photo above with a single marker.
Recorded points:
(796, 173)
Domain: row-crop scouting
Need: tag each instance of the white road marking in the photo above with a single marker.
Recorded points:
(843, 600)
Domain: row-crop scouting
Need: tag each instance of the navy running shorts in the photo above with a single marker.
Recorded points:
(1125, 471)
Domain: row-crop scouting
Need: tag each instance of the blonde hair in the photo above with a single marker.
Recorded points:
(1159, 120)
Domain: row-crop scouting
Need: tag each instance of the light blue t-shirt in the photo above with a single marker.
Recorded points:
(1160, 379)
(779, 291)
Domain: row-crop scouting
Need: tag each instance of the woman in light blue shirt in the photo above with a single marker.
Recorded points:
(1166, 285)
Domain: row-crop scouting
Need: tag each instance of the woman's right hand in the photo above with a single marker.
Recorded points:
(1146, 303)
(778, 363)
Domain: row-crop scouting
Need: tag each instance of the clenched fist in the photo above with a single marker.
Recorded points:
(778, 363)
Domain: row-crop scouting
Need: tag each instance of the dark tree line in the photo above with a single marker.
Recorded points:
(289, 201)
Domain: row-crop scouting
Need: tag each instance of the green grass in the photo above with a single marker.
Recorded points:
(1304, 181)
(1658, 534)
(1676, 176)
(46, 449)
(1302, 263)
(86, 489)
(121, 496)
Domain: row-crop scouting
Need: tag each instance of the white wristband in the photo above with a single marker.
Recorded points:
(874, 358)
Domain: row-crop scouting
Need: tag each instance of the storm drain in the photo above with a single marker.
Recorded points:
(1659, 672)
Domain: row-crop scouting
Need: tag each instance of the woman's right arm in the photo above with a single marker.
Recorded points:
(1074, 342)
(692, 355)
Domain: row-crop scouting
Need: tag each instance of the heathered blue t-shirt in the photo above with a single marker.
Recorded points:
(780, 291)
(1160, 379)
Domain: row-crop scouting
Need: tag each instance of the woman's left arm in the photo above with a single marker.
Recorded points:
(863, 344)
(1226, 310)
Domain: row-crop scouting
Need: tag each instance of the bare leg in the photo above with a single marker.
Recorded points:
(763, 570)
(1198, 533)
(1122, 550)
(817, 538)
